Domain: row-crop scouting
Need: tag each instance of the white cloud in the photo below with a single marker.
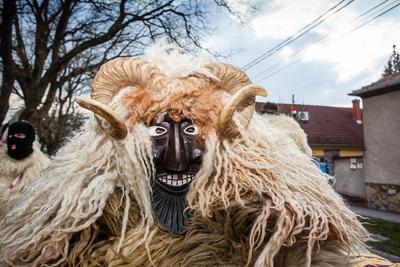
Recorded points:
(285, 17)
(359, 52)
(352, 61)
(286, 53)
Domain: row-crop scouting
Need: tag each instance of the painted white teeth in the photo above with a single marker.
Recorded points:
(176, 179)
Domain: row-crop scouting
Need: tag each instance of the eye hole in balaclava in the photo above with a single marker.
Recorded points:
(20, 138)
(177, 156)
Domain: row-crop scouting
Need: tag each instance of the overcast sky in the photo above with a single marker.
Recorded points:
(323, 65)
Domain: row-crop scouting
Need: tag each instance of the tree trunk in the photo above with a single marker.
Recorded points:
(8, 15)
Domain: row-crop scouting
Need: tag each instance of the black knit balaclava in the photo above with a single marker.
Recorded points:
(20, 138)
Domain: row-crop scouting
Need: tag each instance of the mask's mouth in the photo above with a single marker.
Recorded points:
(176, 180)
(169, 199)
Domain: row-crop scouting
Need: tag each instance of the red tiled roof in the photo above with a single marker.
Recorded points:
(259, 106)
(329, 125)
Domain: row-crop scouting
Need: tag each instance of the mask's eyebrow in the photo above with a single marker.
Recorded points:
(159, 118)
(167, 117)
(186, 119)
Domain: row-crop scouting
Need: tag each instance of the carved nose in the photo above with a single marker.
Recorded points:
(176, 158)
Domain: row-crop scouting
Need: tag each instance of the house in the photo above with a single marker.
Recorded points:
(381, 120)
(335, 135)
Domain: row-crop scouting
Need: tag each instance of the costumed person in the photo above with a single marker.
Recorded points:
(175, 169)
(21, 160)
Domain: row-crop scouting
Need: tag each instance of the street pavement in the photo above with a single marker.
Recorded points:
(384, 215)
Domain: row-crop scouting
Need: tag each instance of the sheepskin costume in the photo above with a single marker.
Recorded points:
(292, 129)
(257, 199)
(16, 175)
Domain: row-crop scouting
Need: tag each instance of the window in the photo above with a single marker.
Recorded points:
(353, 164)
(356, 164)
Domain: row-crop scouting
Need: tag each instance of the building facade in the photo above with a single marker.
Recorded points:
(381, 115)
(335, 135)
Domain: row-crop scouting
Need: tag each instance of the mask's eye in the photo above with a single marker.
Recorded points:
(19, 135)
(191, 130)
(155, 131)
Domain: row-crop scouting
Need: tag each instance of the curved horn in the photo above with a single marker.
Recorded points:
(231, 78)
(243, 99)
(119, 73)
(235, 81)
(118, 129)
(112, 77)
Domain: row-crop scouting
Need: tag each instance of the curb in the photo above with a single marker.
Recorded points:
(392, 258)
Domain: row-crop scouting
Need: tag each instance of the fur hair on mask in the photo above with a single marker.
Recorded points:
(258, 199)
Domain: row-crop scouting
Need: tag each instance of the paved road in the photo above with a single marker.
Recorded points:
(384, 215)
(387, 216)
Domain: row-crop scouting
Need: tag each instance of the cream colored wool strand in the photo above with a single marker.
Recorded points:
(254, 198)
(72, 194)
(293, 129)
(267, 165)
(29, 169)
(297, 208)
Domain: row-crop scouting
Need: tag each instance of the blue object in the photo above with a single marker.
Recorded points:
(325, 167)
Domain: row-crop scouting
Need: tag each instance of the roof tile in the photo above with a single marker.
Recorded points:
(329, 125)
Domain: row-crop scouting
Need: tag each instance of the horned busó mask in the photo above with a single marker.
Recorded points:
(175, 128)
(122, 72)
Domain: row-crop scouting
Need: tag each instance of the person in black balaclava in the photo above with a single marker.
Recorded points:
(20, 138)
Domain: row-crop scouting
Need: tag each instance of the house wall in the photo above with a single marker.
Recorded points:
(383, 197)
(382, 150)
(382, 138)
(349, 182)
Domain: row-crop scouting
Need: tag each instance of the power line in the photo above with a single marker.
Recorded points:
(331, 11)
(369, 10)
(381, 14)
(325, 40)
(249, 65)
(295, 36)
(329, 41)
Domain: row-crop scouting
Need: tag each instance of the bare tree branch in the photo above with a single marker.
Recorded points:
(59, 44)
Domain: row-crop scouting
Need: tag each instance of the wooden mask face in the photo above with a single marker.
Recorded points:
(177, 156)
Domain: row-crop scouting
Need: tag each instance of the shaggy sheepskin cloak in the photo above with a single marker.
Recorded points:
(257, 200)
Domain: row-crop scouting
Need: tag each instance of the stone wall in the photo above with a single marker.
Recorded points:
(384, 197)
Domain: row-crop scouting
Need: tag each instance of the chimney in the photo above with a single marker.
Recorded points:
(357, 115)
